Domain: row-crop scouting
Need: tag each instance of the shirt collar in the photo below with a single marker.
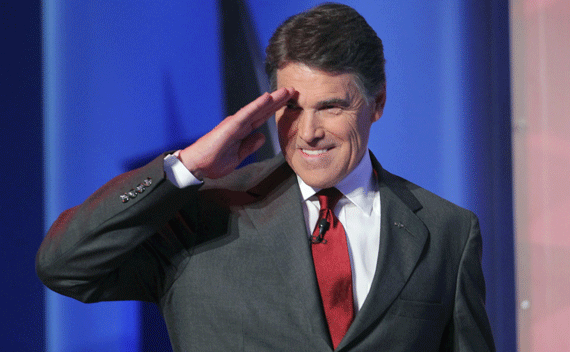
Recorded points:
(359, 186)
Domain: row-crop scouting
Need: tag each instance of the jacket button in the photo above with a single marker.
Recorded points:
(132, 193)
(124, 198)
(147, 182)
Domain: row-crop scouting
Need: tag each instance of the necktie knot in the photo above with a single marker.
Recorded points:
(328, 198)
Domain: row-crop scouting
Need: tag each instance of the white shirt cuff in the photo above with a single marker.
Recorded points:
(177, 173)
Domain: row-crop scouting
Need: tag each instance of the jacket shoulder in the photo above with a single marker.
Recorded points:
(423, 202)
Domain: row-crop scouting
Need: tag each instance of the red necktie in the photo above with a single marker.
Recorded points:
(332, 265)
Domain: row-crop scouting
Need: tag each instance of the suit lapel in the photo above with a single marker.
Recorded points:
(279, 220)
(402, 239)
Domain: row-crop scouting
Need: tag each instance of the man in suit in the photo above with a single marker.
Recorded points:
(258, 258)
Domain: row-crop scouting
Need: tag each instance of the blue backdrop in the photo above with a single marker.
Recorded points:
(21, 203)
(126, 80)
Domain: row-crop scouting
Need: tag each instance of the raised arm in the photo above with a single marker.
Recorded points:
(106, 248)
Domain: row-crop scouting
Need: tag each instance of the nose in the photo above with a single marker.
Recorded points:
(309, 126)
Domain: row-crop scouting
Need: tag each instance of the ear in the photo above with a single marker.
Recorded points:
(379, 102)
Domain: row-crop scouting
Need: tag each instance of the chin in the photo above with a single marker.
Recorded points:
(317, 182)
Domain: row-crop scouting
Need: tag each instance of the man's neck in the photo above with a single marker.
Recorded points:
(360, 177)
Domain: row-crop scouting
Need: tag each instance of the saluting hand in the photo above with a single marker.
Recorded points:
(221, 150)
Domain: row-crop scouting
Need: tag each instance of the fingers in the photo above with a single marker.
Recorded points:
(222, 149)
(256, 113)
(262, 108)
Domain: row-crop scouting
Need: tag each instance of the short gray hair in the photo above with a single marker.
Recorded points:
(333, 38)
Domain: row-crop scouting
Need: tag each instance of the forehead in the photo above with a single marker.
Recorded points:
(314, 84)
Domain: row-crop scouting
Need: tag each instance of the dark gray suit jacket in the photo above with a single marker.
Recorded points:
(229, 264)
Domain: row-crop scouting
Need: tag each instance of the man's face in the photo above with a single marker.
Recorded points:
(323, 130)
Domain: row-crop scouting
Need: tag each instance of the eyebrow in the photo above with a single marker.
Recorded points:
(333, 101)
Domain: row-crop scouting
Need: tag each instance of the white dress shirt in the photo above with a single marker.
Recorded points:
(358, 210)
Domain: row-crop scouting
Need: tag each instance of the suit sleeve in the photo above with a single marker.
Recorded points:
(113, 248)
(471, 329)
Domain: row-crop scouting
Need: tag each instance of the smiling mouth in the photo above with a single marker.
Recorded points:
(314, 151)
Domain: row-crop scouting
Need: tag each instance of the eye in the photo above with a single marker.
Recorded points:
(332, 109)
(292, 106)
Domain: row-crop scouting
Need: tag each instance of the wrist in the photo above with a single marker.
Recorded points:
(195, 171)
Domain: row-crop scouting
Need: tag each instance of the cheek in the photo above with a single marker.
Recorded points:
(286, 128)
(361, 129)
(345, 130)
(353, 136)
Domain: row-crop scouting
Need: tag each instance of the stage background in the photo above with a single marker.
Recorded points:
(21, 176)
(541, 136)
